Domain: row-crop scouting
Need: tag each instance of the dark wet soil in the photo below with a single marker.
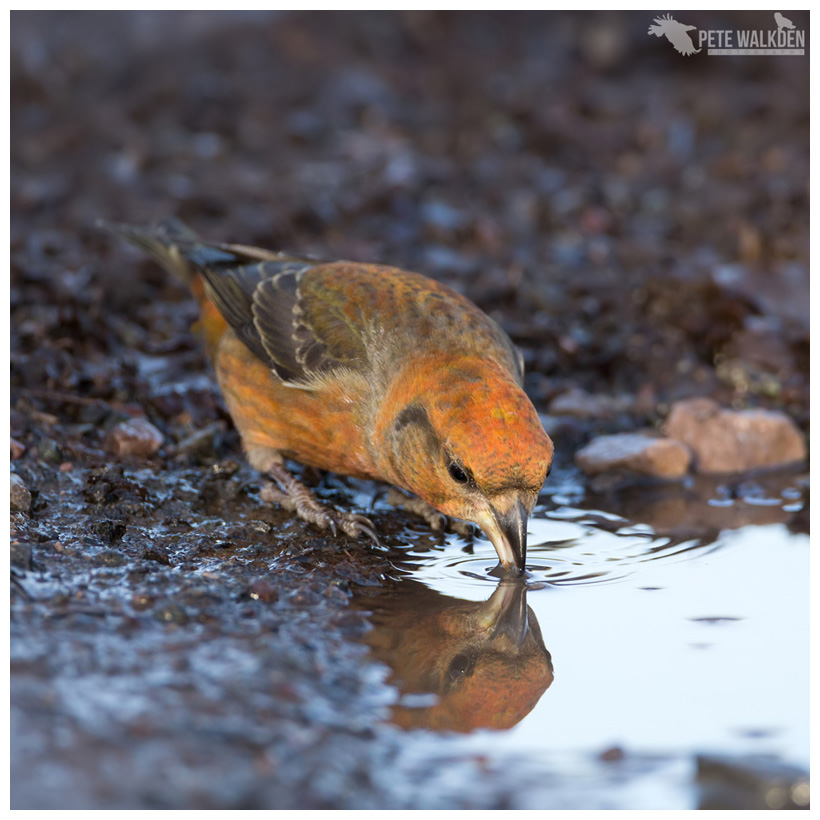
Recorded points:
(636, 220)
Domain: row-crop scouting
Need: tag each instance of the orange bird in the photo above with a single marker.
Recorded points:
(486, 661)
(368, 371)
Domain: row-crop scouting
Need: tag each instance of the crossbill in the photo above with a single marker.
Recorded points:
(367, 371)
(486, 661)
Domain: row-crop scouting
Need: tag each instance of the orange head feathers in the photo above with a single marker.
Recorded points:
(461, 434)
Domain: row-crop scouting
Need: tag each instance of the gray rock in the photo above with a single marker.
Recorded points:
(201, 444)
(579, 403)
(734, 441)
(17, 449)
(20, 495)
(662, 457)
(135, 437)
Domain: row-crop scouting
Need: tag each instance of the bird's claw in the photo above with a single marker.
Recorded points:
(355, 525)
(350, 524)
(294, 496)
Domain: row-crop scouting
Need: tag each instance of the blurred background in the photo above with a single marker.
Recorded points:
(621, 209)
(636, 219)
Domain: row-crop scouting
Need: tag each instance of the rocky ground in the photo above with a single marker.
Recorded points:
(636, 220)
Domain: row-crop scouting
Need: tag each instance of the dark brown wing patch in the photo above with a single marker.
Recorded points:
(261, 304)
(274, 302)
(231, 290)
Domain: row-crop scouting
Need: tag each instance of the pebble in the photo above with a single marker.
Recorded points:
(201, 444)
(109, 531)
(158, 554)
(662, 457)
(17, 448)
(20, 495)
(579, 403)
(613, 754)
(734, 441)
(135, 437)
(752, 782)
(50, 451)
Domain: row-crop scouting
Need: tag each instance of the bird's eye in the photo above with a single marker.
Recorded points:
(457, 473)
(461, 666)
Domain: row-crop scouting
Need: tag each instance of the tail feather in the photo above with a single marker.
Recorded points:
(170, 243)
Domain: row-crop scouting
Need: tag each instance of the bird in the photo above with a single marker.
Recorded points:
(782, 22)
(485, 661)
(368, 371)
(676, 33)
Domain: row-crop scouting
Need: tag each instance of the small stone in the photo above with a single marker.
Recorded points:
(135, 437)
(579, 403)
(20, 495)
(157, 554)
(662, 457)
(613, 754)
(17, 448)
(109, 531)
(50, 451)
(734, 441)
(224, 469)
(201, 444)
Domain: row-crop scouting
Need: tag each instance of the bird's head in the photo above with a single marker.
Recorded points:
(471, 444)
(485, 661)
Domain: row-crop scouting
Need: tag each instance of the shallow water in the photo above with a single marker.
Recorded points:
(204, 656)
(663, 648)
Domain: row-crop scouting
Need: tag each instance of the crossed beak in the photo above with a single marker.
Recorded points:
(505, 524)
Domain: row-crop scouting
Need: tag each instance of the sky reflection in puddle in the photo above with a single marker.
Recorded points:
(660, 646)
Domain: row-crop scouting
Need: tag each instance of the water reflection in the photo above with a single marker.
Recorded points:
(459, 665)
(582, 541)
(705, 506)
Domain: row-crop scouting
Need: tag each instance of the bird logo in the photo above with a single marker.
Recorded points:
(782, 22)
(676, 33)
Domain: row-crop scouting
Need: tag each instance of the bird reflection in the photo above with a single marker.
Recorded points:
(485, 662)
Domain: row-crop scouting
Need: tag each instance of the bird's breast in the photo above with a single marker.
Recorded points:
(324, 427)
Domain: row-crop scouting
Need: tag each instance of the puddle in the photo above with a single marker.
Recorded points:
(568, 548)
(662, 648)
(459, 665)
(173, 644)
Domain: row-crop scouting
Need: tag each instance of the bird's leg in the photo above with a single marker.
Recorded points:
(293, 495)
(437, 521)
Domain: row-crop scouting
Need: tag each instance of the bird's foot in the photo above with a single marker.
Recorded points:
(291, 494)
(436, 521)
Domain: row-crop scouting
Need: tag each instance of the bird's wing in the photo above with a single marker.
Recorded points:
(306, 319)
(362, 313)
(262, 301)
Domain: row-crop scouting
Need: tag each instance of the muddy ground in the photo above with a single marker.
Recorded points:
(635, 219)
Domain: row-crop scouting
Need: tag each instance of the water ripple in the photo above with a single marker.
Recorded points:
(567, 547)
